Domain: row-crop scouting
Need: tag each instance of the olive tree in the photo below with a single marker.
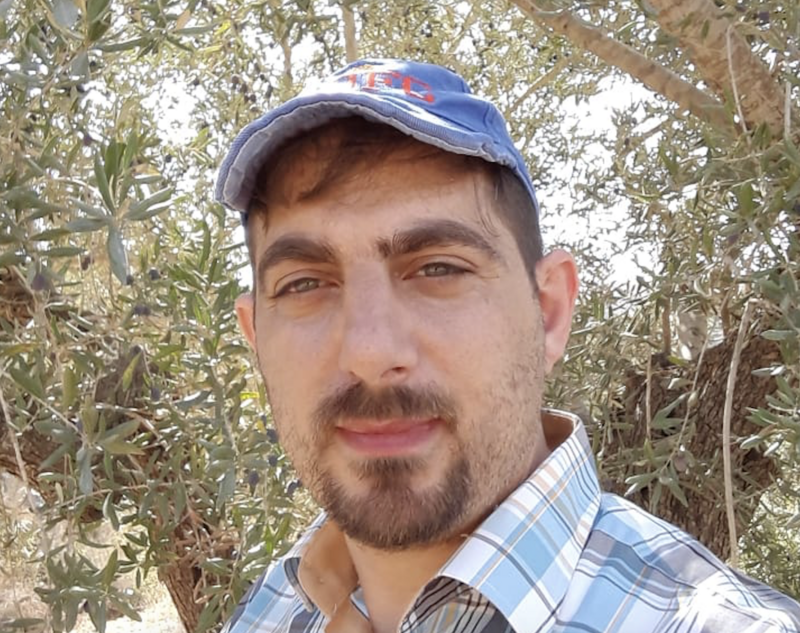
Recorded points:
(128, 398)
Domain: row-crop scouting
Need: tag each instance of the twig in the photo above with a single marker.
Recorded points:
(666, 328)
(729, 47)
(350, 41)
(466, 25)
(54, 411)
(726, 432)
(787, 112)
(693, 390)
(287, 63)
(648, 408)
(23, 472)
(549, 76)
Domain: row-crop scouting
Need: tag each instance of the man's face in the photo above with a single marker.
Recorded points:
(403, 349)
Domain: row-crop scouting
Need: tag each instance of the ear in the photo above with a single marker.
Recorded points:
(245, 311)
(557, 279)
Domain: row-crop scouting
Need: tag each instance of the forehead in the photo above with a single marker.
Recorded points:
(310, 165)
(397, 190)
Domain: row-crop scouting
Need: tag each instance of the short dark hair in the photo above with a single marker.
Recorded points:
(340, 148)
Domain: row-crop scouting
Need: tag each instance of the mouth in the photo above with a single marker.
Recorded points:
(388, 438)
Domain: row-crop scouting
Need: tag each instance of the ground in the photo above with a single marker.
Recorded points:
(153, 602)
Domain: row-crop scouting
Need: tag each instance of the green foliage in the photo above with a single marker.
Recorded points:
(118, 351)
(715, 221)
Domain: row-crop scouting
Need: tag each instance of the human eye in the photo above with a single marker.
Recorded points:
(301, 286)
(439, 269)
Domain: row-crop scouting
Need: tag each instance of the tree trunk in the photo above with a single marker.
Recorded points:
(350, 38)
(180, 578)
(699, 467)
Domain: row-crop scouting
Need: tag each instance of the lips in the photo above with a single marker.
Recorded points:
(383, 438)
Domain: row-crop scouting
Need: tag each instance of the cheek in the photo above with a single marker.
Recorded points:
(490, 357)
(291, 348)
(481, 335)
(290, 362)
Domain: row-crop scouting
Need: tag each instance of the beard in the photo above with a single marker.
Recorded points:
(392, 515)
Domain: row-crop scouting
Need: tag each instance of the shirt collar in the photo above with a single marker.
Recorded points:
(531, 543)
(523, 556)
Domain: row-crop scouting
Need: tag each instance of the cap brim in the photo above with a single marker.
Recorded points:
(237, 179)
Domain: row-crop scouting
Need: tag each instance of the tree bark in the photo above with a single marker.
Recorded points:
(653, 75)
(700, 467)
(180, 578)
(724, 59)
(35, 448)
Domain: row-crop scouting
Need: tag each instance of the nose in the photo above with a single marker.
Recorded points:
(377, 343)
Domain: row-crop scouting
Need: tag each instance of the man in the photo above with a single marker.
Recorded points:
(404, 317)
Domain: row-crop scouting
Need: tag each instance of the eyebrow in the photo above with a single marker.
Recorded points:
(437, 233)
(424, 235)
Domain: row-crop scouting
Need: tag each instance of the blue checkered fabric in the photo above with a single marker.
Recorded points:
(557, 556)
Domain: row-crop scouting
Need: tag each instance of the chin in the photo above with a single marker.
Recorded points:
(392, 514)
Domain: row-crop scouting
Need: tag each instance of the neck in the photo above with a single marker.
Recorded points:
(392, 580)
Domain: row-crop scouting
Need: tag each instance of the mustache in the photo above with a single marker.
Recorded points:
(359, 402)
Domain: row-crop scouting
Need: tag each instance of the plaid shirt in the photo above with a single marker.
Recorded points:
(557, 556)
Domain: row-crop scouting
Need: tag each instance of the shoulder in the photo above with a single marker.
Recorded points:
(272, 605)
(677, 577)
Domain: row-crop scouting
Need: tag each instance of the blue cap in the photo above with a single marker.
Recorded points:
(425, 101)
